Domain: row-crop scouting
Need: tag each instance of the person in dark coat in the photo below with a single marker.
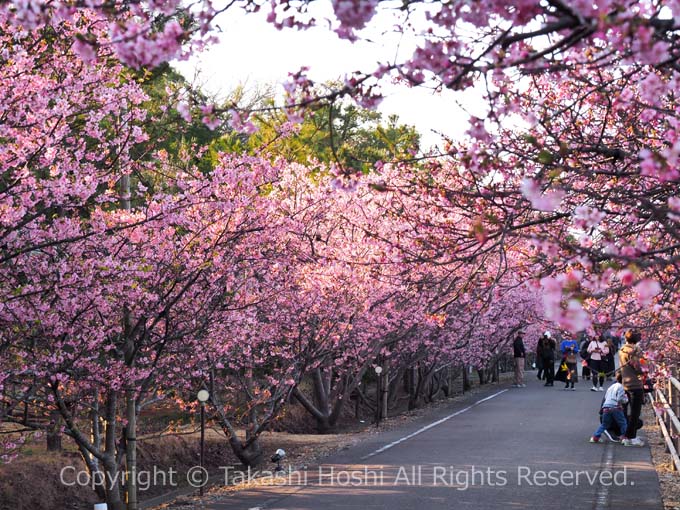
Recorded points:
(540, 345)
(519, 353)
(585, 356)
(548, 358)
(610, 364)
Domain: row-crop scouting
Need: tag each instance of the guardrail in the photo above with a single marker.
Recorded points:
(668, 399)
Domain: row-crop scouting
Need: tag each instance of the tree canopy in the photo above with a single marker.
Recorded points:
(154, 240)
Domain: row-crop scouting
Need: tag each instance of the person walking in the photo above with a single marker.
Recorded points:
(548, 355)
(598, 349)
(630, 358)
(585, 356)
(519, 354)
(612, 411)
(609, 363)
(540, 345)
(569, 349)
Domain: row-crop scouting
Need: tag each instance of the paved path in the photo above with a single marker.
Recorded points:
(520, 448)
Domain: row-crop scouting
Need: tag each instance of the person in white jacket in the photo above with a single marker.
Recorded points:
(612, 411)
(598, 349)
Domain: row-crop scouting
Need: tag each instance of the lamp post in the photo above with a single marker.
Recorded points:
(378, 395)
(203, 396)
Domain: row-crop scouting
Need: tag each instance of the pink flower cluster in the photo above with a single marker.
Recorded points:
(542, 201)
(353, 15)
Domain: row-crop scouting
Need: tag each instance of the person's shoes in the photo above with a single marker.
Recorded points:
(515, 385)
(601, 389)
(522, 385)
(573, 389)
(636, 441)
(594, 439)
(566, 387)
(613, 439)
(547, 384)
(593, 388)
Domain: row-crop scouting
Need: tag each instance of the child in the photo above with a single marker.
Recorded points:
(612, 409)
(569, 350)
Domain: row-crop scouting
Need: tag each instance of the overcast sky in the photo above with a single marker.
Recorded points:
(251, 51)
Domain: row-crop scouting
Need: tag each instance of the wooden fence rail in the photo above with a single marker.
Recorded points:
(668, 398)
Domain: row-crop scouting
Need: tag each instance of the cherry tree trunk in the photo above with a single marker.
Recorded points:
(250, 455)
(413, 388)
(326, 406)
(131, 451)
(111, 476)
(54, 432)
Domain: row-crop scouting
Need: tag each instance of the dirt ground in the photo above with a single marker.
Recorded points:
(669, 479)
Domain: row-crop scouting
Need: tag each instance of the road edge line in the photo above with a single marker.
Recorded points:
(431, 425)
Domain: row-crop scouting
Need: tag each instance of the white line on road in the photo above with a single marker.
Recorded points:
(428, 427)
(602, 497)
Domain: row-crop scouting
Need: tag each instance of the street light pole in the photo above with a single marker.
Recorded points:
(378, 396)
(202, 442)
(203, 397)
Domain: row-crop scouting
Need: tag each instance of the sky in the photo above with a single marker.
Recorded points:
(253, 52)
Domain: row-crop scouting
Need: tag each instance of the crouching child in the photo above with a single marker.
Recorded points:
(612, 410)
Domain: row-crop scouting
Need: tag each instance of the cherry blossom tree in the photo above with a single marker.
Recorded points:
(351, 300)
(253, 275)
(151, 288)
